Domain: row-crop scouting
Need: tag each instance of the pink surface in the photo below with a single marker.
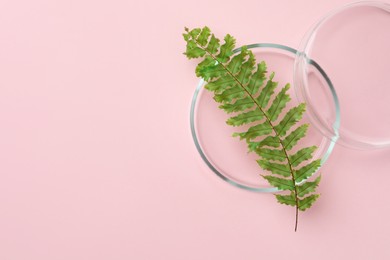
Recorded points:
(96, 156)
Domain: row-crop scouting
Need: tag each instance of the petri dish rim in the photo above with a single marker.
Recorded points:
(330, 142)
(301, 84)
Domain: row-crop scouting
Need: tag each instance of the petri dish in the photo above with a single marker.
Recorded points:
(352, 45)
(226, 156)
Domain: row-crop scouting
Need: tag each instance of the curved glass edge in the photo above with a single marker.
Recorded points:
(301, 82)
(330, 142)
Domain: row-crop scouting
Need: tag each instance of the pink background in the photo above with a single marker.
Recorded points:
(96, 156)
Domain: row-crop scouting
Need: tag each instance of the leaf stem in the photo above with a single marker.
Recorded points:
(296, 214)
(269, 122)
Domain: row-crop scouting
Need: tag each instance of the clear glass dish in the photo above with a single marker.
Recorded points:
(226, 156)
(352, 45)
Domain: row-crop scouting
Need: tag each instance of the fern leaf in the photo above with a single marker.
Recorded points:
(229, 94)
(279, 103)
(281, 184)
(235, 64)
(255, 131)
(291, 118)
(308, 187)
(207, 62)
(220, 84)
(252, 146)
(292, 139)
(211, 71)
(246, 70)
(307, 170)
(266, 93)
(271, 141)
(226, 50)
(302, 155)
(272, 154)
(213, 45)
(239, 105)
(286, 199)
(245, 118)
(275, 168)
(194, 32)
(307, 202)
(193, 51)
(258, 78)
(204, 36)
(238, 84)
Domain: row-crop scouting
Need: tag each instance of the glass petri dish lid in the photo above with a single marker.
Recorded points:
(352, 44)
(226, 156)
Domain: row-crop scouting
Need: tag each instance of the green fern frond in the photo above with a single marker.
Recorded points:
(241, 86)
